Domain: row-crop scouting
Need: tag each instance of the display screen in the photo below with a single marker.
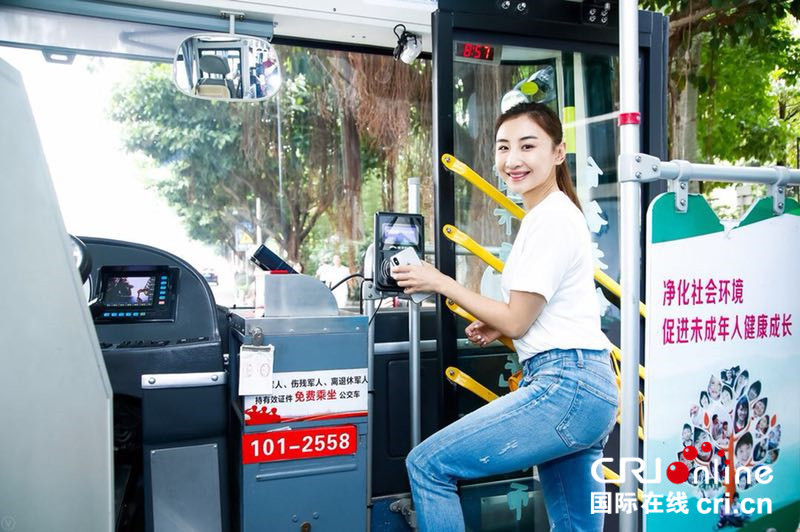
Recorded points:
(475, 51)
(129, 291)
(398, 234)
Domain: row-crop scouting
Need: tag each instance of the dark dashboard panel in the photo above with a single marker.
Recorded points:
(157, 324)
(154, 314)
(195, 309)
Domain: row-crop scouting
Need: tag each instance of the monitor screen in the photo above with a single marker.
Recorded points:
(398, 234)
(129, 291)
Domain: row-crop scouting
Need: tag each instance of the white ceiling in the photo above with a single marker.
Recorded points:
(360, 22)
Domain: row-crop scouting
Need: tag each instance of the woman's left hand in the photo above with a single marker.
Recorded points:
(419, 278)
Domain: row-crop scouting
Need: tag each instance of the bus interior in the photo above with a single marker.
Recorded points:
(152, 146)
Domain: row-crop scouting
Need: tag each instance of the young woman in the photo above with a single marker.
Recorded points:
(560, 417)
(742, 415)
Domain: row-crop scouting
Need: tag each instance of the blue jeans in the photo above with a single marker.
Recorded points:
(559, 419)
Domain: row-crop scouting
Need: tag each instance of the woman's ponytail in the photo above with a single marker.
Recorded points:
(564, 182)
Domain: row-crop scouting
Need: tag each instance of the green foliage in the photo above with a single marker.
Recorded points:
(739, 116)
(316, 248)
(288, 152)
(734, 18)
(196, 139)
(746, 74)
(222, 156)
(372, 201)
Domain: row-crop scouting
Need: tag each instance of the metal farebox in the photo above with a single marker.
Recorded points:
(302, 462)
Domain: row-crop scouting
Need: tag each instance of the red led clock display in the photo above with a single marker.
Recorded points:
(475, 51)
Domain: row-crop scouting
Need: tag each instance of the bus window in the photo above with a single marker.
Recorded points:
(133, 159)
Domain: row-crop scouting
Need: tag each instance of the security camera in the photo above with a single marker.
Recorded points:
(409, 45)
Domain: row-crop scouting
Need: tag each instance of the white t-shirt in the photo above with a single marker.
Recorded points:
(552, 256)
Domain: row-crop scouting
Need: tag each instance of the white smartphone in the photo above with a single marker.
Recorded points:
(408, 257)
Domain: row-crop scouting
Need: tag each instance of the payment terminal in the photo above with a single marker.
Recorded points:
(395, 232)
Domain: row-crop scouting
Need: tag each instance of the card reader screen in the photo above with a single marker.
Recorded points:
(398, 234)
(129, 291)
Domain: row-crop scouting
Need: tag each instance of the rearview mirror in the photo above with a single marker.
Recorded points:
(227, 67)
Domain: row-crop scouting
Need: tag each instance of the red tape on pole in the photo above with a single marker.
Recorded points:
(629, 118)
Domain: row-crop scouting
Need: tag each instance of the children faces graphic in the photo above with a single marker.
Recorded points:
(714, 388)
(741, 417)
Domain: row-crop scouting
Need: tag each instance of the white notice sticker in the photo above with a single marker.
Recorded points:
(255, 369)
(317, 394)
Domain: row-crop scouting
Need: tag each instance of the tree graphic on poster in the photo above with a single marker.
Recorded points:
(729, 427)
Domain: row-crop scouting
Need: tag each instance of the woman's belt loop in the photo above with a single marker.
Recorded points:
(580, 357)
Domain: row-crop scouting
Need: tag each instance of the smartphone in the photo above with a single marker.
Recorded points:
(408, 257)
(265, 259)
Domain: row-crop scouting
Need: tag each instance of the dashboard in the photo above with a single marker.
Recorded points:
(153, 313)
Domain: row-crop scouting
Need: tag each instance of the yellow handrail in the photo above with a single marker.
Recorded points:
(617, 354)
(484, 186)
(457, 376)
(505, 340)
(464, 240)
(614, 477)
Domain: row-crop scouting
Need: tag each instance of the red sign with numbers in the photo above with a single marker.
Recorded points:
(469, 50)
(298, 444)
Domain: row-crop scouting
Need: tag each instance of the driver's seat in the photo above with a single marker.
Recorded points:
(214, 87)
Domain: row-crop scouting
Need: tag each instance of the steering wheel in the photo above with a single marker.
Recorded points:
(83, 261)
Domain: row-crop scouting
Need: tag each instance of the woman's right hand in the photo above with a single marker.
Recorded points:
(481, 334)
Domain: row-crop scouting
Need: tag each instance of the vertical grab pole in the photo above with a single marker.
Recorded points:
(414, 336)
(414, 372)
(369, 310)
(630, 250)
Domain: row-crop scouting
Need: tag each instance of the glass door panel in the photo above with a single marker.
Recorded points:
(583, 89)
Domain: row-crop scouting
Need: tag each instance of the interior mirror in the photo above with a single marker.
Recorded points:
(227, 67)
